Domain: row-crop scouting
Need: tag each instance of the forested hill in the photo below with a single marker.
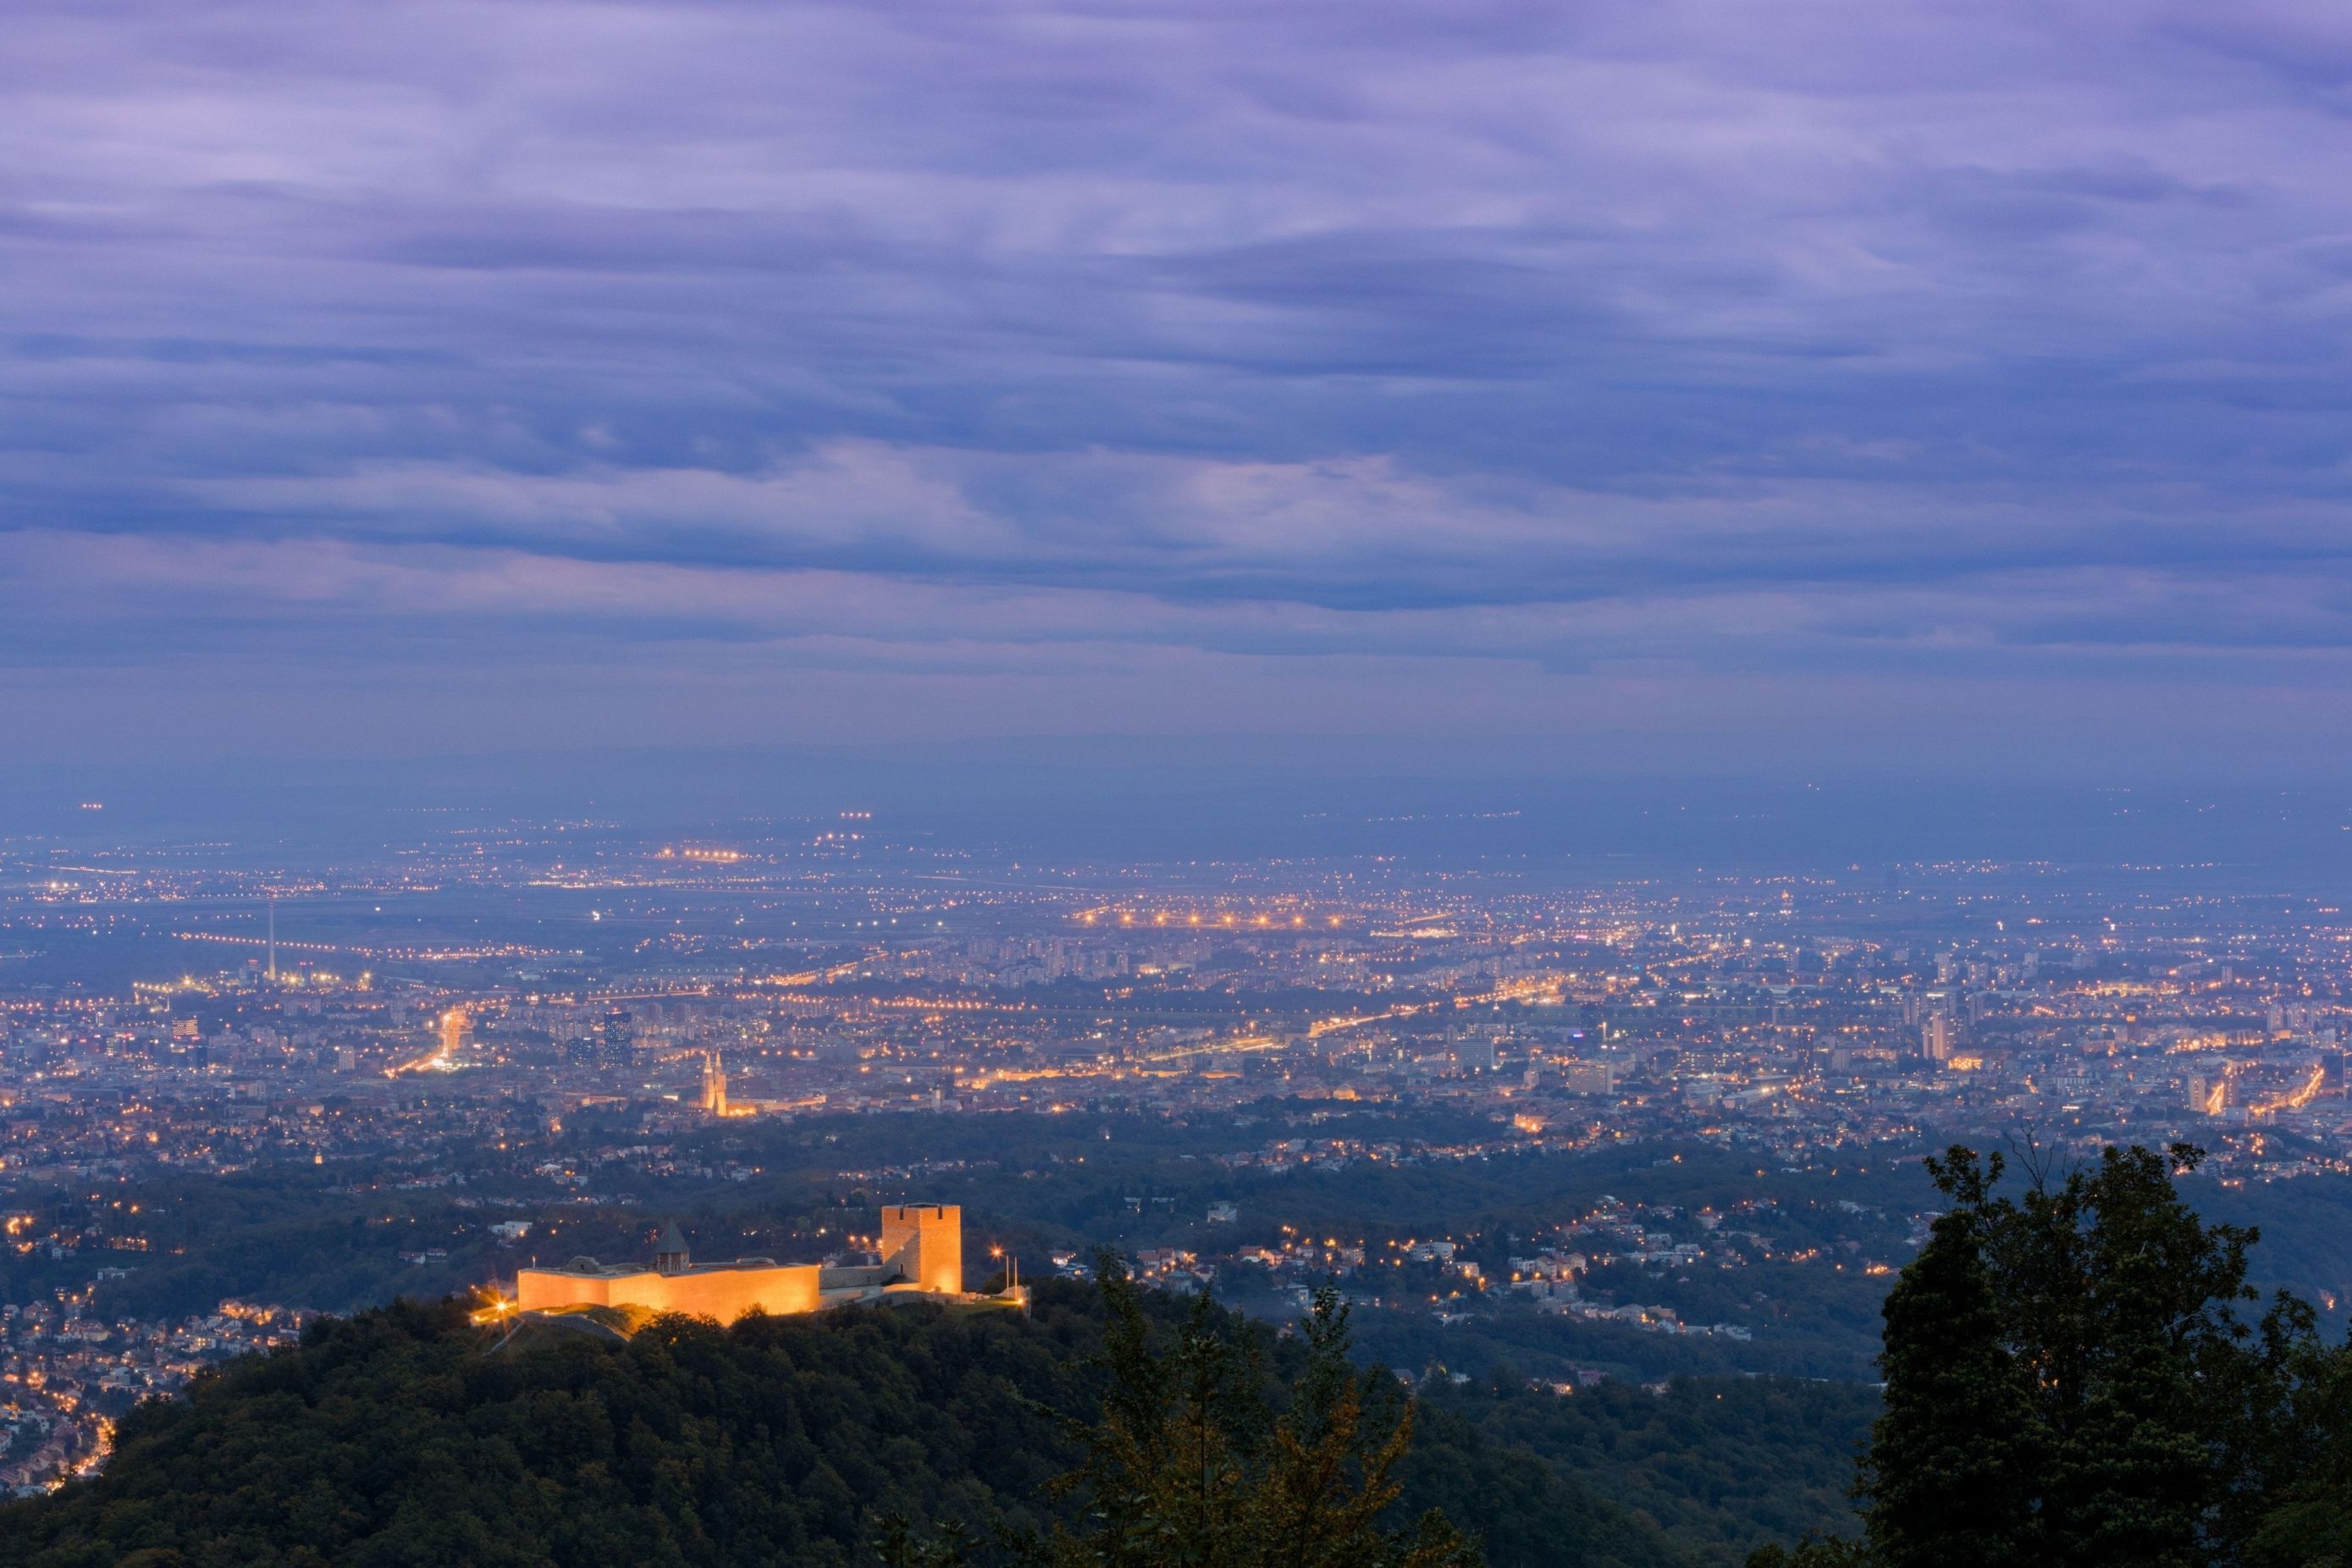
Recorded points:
(403, 1436)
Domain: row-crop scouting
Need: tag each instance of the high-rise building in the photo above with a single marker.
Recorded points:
(1580, 1075)
(2209, 1096)
(1936, 1038)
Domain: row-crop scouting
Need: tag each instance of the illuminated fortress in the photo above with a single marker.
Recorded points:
(922, 1254)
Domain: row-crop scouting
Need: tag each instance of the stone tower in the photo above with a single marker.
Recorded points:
(669, 1254)
(925, 1243)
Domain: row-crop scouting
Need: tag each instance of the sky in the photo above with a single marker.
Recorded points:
(1707, 386)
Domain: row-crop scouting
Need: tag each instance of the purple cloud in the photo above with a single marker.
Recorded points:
(1901, 354)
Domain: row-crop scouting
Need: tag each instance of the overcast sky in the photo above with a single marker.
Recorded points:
(1724, 384)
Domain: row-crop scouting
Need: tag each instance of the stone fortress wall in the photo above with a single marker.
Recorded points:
(923, 1254)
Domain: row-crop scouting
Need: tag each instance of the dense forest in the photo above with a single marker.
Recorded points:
(410, 1436)
(2077, 1370)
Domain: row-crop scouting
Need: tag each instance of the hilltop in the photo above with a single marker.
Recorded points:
(409, 1435)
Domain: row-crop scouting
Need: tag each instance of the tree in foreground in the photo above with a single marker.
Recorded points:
(1955, 1460)
(2069, 1380)
(1188, 1465)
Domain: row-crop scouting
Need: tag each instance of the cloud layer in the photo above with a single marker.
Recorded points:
(1857, 371)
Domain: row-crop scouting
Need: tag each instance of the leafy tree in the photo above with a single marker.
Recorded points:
(2293, 1507)
(1954, 1462)
(2123, 1303)
(2070, 1379)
